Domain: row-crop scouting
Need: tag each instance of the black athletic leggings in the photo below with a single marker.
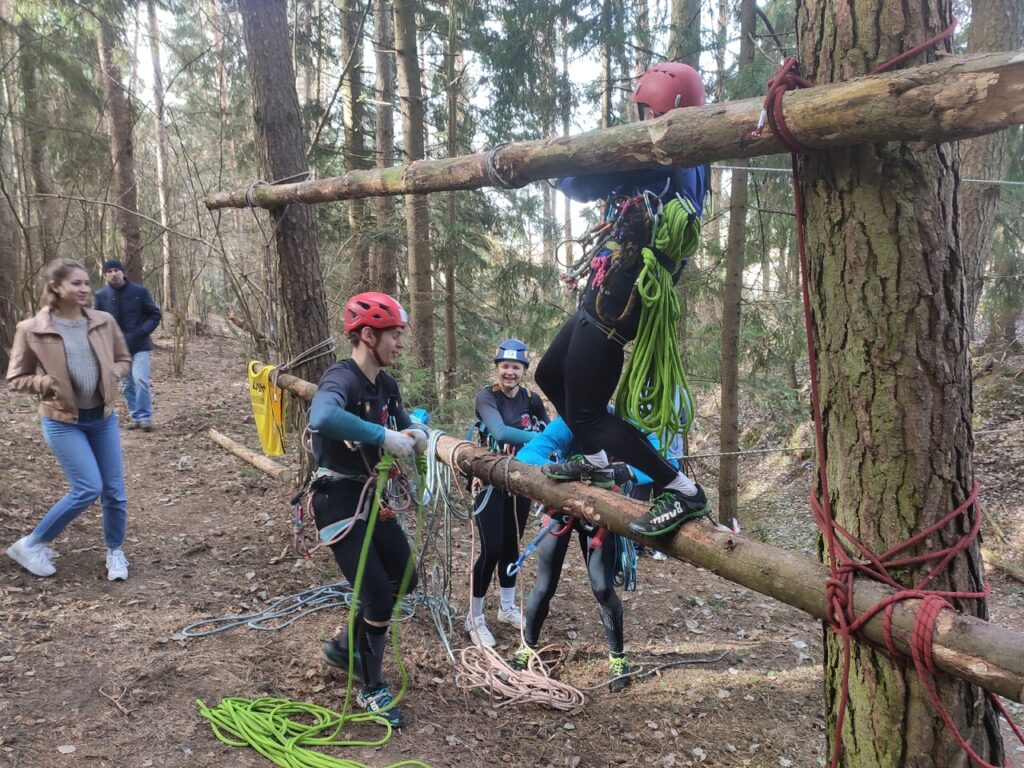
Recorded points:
(578, 373)
(500, 525)
(601, 570)
(386, 559)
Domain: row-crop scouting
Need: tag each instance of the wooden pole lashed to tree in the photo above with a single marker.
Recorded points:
(955, 98)
(965, 647)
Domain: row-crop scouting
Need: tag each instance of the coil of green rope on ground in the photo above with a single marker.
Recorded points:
(653, 392)
(272, 727)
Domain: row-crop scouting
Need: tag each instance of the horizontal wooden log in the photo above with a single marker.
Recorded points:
(295, 385)
(965, 647)
(956, 98)
(258, 460)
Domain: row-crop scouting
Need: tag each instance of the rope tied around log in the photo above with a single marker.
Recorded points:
(493, 174)
(842, 565)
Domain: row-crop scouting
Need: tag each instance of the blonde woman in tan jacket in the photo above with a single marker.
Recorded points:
(71, 356)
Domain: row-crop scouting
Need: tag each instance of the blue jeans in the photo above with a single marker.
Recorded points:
(135, 388)
(89, 452)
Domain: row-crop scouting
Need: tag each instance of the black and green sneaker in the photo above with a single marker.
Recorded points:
(670, 510)
(578, 469)
(618, 673)
(378, 701)
(521, 659)
(336, 654)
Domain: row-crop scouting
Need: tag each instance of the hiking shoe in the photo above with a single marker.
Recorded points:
(656, 555)
(335, 653)
(670, 510)
(512, 616)
(476, 626)
(521, 658)
(579, 469)
(618, 673)
(146, 426)
(378, 701)
(34, 558)
(117, 565)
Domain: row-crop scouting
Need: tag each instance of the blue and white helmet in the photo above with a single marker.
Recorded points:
(512, 349)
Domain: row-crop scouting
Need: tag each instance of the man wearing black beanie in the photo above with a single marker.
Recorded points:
(138, 316)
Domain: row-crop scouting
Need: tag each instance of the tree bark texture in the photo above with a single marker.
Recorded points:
(163, 159)
(417, 215)
(996, 25)
(35, 134)
(732, 296)
(279, 136)
(355, 139)
(952, 99)
(383, 259)
(891, 333)
(122, 154)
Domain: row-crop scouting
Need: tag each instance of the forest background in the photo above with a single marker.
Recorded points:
(119, 118)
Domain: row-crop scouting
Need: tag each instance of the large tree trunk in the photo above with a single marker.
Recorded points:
(996, 25)
(735, 256)
(35, 135)
(122, 154)
(163, 159)
(279, 136)
(899, 106)
(889, 300)
(417, 215)
(355, 140)
(452, 56)
(383, 263)
(684, 32)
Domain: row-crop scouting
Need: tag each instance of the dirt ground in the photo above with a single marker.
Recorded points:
(94, 673)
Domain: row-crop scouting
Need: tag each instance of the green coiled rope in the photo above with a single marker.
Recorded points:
(653, 393)
(268, 725)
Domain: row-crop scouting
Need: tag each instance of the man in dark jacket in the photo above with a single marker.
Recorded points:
(138, 316)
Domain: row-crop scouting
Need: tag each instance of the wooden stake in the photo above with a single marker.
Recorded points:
(259, 461)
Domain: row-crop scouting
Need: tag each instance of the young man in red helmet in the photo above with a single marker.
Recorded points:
(581, 368)
(356, 414)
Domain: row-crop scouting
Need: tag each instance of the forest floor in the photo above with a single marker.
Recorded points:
(95, 673)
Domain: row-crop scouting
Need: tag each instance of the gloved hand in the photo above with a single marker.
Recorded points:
(419, 438)
(398, 444)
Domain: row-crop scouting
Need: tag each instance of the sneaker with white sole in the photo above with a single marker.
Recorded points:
(378, 701)
(117, 565)
(512, 616)
(34, 558)
(476, 626)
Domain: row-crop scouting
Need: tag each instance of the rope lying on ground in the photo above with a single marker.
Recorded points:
(270, 726)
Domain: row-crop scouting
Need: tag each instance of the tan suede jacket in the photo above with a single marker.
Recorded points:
(39, 363)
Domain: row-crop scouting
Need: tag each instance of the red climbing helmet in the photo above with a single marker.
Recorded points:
(375, 310)
(669, 85)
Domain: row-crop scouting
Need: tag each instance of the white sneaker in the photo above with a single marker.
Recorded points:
(476, 626)
(512, 616)
(659, 555)
(117, 565)
(34, 558)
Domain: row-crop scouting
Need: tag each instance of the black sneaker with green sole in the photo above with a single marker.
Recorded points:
(578, 469)
(670, 510)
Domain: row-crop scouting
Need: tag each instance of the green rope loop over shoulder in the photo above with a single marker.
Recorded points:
(654, 393)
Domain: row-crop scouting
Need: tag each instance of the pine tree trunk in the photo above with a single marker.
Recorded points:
(996, 25)
(279, 137)
(889, 300)
(452, 56)
(122, 154)
(417, 216)
(383, 263)
(163, 158)
(731, 301)
(355, 139)
(35, 136)
(684, 32)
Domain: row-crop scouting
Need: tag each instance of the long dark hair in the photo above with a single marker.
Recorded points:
(57, 271)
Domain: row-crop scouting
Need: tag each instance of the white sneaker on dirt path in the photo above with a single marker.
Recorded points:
(34, 558)
(476, 626)
(512, 616)
(117, 565)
